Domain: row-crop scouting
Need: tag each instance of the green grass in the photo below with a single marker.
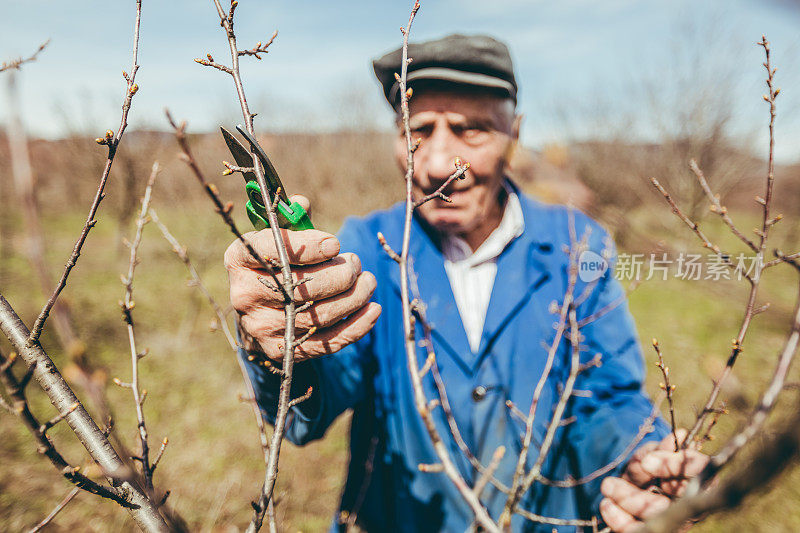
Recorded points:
(213, 464)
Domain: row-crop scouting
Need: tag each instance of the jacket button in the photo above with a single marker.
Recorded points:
(479, 393)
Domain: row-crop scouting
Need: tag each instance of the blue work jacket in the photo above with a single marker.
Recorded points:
(385, 488)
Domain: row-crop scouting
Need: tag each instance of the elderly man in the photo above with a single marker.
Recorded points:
(488, 265)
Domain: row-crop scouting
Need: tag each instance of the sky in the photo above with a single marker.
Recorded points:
(581, 64)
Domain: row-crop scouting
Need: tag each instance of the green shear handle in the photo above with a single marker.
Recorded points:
(295, 217)
(291, 215)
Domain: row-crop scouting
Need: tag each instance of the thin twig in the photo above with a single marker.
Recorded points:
(16, 393)
(754, 280)
(762, 410)
(686, 220)
(518, 480)
(668, 388)
(224, 210)
(461, 168)
(287, 288)
(183, 255)
(718, 208)
(57, 509)
(561, 406)
(645, 429)
(127, 305)
(112, 141)
(259, 48)
(15, 64)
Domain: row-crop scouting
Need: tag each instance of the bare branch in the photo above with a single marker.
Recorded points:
(686, 220)
(668, 388)
(16, 392)
(439, 192)
(127, 305)
(289, 344)
(112, 142)
(259, 48)
(491, 468)
(718, 208)
(750, 309)
(519, 479)
(58, 508)
(446, 464)
(16, 64)
(301, 399)
(183, 255)
(224, 210)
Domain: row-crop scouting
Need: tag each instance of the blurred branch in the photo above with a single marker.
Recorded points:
(183, 254)
(127, 305)
(668, 388)
(15, 388)
(717, 207)
(759, 266)
(58, 508)
(521, 481)
(764, 407)
(224, 210)
(769, 460)
(772, 456)
(15, 64)
(25, 187)
(112, 142)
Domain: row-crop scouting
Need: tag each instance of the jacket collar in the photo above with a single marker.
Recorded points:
(521, 270)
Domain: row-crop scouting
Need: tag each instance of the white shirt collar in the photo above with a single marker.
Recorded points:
(511, 226)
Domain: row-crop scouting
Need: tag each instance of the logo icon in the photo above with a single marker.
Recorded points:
(591, 266)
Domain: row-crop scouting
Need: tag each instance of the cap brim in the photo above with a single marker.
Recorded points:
(456, 76)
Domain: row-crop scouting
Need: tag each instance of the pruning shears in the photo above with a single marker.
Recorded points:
(291, 215)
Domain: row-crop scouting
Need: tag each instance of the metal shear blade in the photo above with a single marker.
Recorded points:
(244, 158)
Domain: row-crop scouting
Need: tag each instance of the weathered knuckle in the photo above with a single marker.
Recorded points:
(240, 298)
(272, 348)
(231, 253)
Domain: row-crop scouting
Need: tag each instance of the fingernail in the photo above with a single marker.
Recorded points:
(330, 246)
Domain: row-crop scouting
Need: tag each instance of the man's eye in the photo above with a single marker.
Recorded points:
(421, 131)
(474, 135)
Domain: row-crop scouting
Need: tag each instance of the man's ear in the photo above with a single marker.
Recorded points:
(516, 125)
(513, 139)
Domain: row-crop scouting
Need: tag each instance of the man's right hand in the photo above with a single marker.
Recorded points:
(340, 292)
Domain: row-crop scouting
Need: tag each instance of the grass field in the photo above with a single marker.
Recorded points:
(213, 464)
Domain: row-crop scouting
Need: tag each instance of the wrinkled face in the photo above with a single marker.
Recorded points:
(478, 127)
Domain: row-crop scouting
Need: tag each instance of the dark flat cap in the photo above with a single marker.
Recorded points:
(477, 60)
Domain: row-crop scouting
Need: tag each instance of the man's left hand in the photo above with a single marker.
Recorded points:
(655, 474)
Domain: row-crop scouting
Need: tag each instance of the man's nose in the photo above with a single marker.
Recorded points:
(440, 154)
